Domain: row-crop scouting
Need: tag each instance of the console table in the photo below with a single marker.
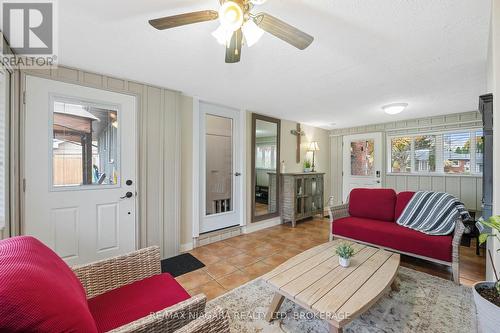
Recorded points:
(301, 196)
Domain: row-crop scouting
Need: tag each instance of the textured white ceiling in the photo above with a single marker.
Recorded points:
(367, 53)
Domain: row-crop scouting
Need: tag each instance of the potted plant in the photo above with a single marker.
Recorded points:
(345, 253)
(487, 294)
(307, 166)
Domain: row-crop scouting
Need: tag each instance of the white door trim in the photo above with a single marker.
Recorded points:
(196, 179)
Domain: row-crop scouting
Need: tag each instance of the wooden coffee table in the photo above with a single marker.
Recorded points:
(315, 281)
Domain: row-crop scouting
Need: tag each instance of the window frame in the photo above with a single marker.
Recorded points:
(439, 144)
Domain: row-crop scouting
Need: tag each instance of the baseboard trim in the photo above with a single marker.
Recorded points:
(248, 229)
(186, 247)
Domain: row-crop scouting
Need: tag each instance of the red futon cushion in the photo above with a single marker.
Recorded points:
(134, 301)
(394, 236)
(377, 204)
(402, 201)
(38, 291)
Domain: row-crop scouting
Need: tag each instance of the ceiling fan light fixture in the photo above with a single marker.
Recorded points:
(251, 32)
(395, 108)
(231, 16)
(222, 35)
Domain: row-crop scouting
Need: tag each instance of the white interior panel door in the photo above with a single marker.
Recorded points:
(362, 162)
(220, 168)
(80, 170)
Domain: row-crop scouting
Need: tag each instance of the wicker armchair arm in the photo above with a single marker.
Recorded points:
(215, 321)
(457, 239)
(105, 275)
(338, 212)
(170, 319)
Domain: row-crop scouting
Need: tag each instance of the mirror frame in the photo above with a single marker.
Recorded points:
(256, 117)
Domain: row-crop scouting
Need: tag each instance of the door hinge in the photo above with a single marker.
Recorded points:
(24, 97)
(24, 185)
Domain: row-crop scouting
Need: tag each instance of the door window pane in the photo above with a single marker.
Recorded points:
(479, 151)
(401, 155)
(425, 153)
(457, 152)
(362, 158)
(84, 145)
(219, 164)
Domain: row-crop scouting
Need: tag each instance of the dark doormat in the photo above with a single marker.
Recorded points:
(181, 265)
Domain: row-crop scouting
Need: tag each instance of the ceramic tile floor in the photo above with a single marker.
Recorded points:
(236, 261)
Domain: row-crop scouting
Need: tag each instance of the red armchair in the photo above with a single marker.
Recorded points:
(40, 293)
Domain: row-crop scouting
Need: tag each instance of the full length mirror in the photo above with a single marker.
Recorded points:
(265, 167)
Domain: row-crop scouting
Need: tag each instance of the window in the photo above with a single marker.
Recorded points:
(401, 155)
(425, 153)
(456, 154)
(84, 145)
(362, 158)
(450, 153)
(479, 151)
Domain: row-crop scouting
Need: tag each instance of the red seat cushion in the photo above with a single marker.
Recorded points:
(134, 301)
(402, 201)
(377, 204)
(394, 236)
(38, 291)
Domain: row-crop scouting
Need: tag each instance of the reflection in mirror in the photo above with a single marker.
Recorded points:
(266, 162)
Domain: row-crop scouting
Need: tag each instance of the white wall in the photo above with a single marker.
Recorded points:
(494, 86)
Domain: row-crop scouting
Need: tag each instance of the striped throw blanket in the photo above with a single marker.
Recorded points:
(433, 213)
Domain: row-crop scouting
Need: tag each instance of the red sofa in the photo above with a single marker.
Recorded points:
(40, 293)
(370, 217)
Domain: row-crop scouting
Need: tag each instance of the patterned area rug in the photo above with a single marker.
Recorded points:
(424, 304)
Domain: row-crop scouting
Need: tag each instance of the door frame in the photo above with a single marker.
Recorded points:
(22, 145)
(379, 136)
(196, 176)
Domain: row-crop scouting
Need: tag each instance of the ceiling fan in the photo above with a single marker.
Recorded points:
(238, 26)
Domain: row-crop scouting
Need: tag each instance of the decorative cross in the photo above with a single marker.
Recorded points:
(299, 134)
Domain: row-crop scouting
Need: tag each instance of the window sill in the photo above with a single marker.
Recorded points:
(416, 174)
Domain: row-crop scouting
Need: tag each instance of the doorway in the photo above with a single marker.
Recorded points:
(220, 168)
(80, 156)
(362, 162)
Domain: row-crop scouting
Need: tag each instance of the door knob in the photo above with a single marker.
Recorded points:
(128, 195)
(237, 174)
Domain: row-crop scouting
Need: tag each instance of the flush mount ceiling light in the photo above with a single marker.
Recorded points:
(394, 108)
(239, 26)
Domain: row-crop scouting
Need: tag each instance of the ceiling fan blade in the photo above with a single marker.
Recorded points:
(184, 19)
(233, 50)
(284, 31)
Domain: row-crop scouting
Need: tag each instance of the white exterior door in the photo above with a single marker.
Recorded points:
(362, 158)
(220, 167)
(80, 170)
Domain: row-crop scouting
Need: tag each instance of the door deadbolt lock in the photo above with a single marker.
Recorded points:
(128, 195)
(237, 174)
(129, 182)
